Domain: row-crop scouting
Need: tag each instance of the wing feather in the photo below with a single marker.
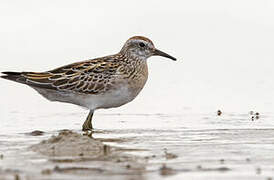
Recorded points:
(90, 77)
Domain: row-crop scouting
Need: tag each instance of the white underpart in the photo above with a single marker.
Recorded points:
(114, 98)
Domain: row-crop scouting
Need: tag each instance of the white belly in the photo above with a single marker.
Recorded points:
(110, 99)
(114, 98)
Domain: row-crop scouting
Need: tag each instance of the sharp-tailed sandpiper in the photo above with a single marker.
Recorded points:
(105, 82)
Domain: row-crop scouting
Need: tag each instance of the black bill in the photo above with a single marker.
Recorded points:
(161, 53)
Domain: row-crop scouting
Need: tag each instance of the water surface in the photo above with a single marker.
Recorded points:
(230, 146)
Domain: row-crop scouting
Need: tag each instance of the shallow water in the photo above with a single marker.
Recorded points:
(230, 146)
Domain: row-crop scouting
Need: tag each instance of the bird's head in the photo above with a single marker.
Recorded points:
(142, 48)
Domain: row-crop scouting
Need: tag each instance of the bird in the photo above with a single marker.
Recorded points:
(99, 83)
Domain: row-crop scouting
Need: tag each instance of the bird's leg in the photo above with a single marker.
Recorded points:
(88, 122)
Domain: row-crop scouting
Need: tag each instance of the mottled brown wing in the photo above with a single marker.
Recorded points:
(89, 77)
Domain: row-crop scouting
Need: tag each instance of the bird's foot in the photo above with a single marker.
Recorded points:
(87, 128)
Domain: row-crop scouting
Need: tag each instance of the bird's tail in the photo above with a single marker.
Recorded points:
(33, 79)
(13, 76)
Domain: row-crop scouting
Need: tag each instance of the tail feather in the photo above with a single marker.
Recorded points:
(11, 73)
(32, 79)
(13, 76)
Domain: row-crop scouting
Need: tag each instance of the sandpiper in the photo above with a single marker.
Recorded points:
(105, 82)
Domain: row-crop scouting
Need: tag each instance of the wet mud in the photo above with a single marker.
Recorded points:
(225, 146)
(69, 146)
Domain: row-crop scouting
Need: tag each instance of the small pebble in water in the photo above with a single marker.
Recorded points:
(146, 157)
(254, 115)
(222, 161)
(164, 170)
(36, 133)
(257, 115)
(219, 112)
(247, 160)
(169, 155)
(258, 171)
(199, 167)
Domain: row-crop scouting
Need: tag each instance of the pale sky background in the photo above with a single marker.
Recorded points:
(225, 50)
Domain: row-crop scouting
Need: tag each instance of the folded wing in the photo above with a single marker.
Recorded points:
(89, 77)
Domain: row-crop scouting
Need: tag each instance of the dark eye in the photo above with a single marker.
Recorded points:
(141, 44)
